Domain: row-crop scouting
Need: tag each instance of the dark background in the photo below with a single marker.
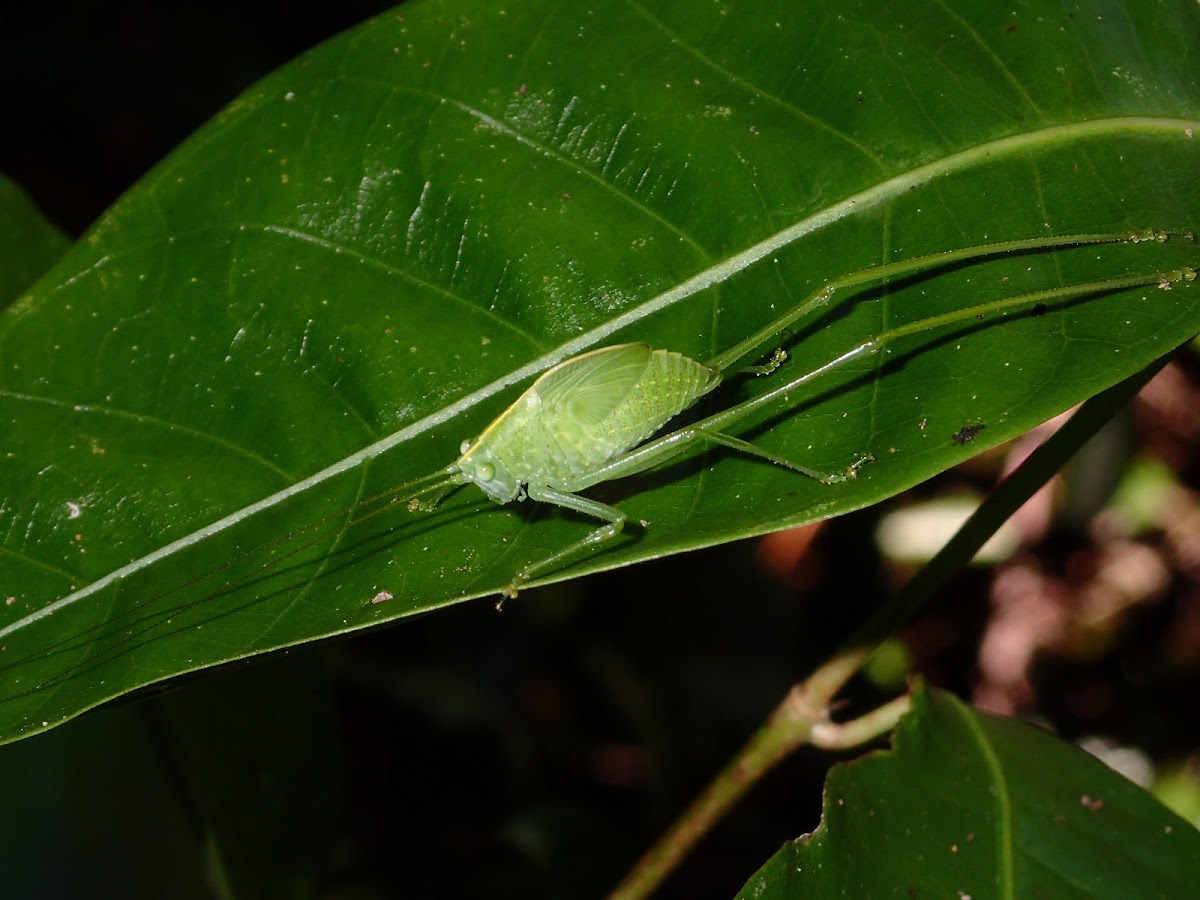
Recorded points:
(532, 753)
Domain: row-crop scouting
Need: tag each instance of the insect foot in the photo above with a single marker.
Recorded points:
(778, 358)
(851, 471)
(1187, 273)
(508, 592)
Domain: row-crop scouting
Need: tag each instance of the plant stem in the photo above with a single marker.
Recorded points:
(839, 736)
(802, 714)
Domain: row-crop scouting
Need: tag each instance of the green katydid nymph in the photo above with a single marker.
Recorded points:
(585, 420)
(575, 427)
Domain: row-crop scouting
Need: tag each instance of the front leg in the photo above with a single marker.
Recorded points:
(610, 514)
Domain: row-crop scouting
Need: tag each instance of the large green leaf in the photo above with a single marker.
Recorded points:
(969, 804)
(358, 263)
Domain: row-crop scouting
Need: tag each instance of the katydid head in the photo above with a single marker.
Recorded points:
(479, 464)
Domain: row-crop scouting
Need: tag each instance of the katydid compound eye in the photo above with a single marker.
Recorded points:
(487, 471)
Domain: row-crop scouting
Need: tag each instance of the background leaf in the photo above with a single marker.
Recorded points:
(246, 745)
(988, 807)
(359, 261)
(31, 244)
(93, 789)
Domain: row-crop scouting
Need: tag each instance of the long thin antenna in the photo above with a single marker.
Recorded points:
(444, 480)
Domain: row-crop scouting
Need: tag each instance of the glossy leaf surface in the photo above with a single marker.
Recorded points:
(360, 262)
